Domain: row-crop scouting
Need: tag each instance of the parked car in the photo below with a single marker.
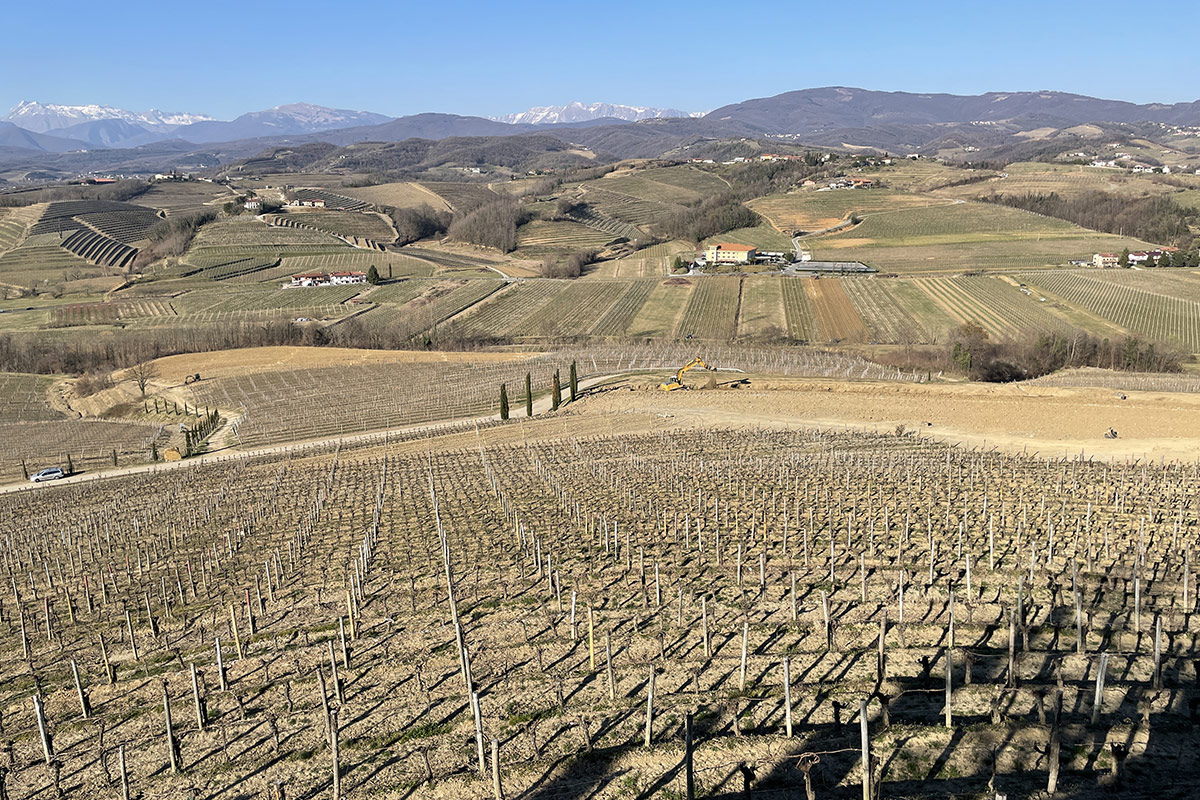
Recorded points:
(48, 474)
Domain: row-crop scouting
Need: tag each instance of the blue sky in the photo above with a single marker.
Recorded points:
(225, 58)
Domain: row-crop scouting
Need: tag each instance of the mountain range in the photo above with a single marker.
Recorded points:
(579, 112)
(36, 136)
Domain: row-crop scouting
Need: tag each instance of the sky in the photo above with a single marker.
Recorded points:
(225, 58)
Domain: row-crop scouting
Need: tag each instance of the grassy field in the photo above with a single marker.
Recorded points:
(398, 195)
(178, 198)
(810, 210)
(250, 232)
(964, 236)
(366, 225)
(1064, 179)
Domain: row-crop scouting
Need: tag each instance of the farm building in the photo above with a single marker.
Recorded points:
(253, 204)
(726, 253)
(1105, 260)
(310, 279)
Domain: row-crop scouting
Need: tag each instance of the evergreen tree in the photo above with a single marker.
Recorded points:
(373, 276)
(503, 401)
(1123, 260)
(574, 382)
(528, 395)
(24, 469)
(70, 465)
(555, 393)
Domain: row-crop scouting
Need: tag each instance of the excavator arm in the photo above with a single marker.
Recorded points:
(677, 381)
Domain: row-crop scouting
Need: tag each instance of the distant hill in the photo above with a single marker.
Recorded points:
(45, 117)
(840, 107)
(296, 118)
(580, 112)
(13, 136)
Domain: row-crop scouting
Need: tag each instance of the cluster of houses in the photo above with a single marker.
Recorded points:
(1113, 260)
(298, 203)
(306, 280)
(848, 183)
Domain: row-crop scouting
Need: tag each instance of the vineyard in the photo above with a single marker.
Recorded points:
(999, 307)
(965, 236)
(1140, 310)
(762, 314)
(23, 398)
(89, 443)
(592, 607)
(712, 310)
(335, 202)
(542, 236)
(106, 313)
(462, 197)
(836, 318)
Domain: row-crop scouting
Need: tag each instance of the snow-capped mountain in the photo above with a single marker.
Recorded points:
(291, 119)
(42, 117)
(582, 112)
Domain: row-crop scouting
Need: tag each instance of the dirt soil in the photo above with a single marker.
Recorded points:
(224, 363)
(1052, 421)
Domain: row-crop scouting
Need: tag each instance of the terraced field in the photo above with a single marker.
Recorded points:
(251, 233)
(542, 236)
(38, 258)
(365, 225)
(645, 214)
(333, 201)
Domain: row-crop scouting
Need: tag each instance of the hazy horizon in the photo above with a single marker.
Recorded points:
(476, 59)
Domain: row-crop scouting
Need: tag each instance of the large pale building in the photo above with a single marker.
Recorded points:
(725, 253)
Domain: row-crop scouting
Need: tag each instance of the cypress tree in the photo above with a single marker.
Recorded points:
(574, 382)
(503, 401)
(555, 393)
(70, 465)
(114, 456)
(24, 469)
(528, 395)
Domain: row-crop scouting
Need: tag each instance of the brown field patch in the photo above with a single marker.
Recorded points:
(836, 316)
(224, 363)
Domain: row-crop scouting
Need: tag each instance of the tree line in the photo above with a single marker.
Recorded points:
(972, 352)
(1152, 219)
(172, 236)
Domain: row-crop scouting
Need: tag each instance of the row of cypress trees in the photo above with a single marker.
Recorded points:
(555, 392)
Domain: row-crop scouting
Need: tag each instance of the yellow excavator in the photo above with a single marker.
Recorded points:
(677, 381)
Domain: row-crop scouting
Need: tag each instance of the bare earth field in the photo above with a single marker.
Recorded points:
(1052, 421)
(224, 363)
